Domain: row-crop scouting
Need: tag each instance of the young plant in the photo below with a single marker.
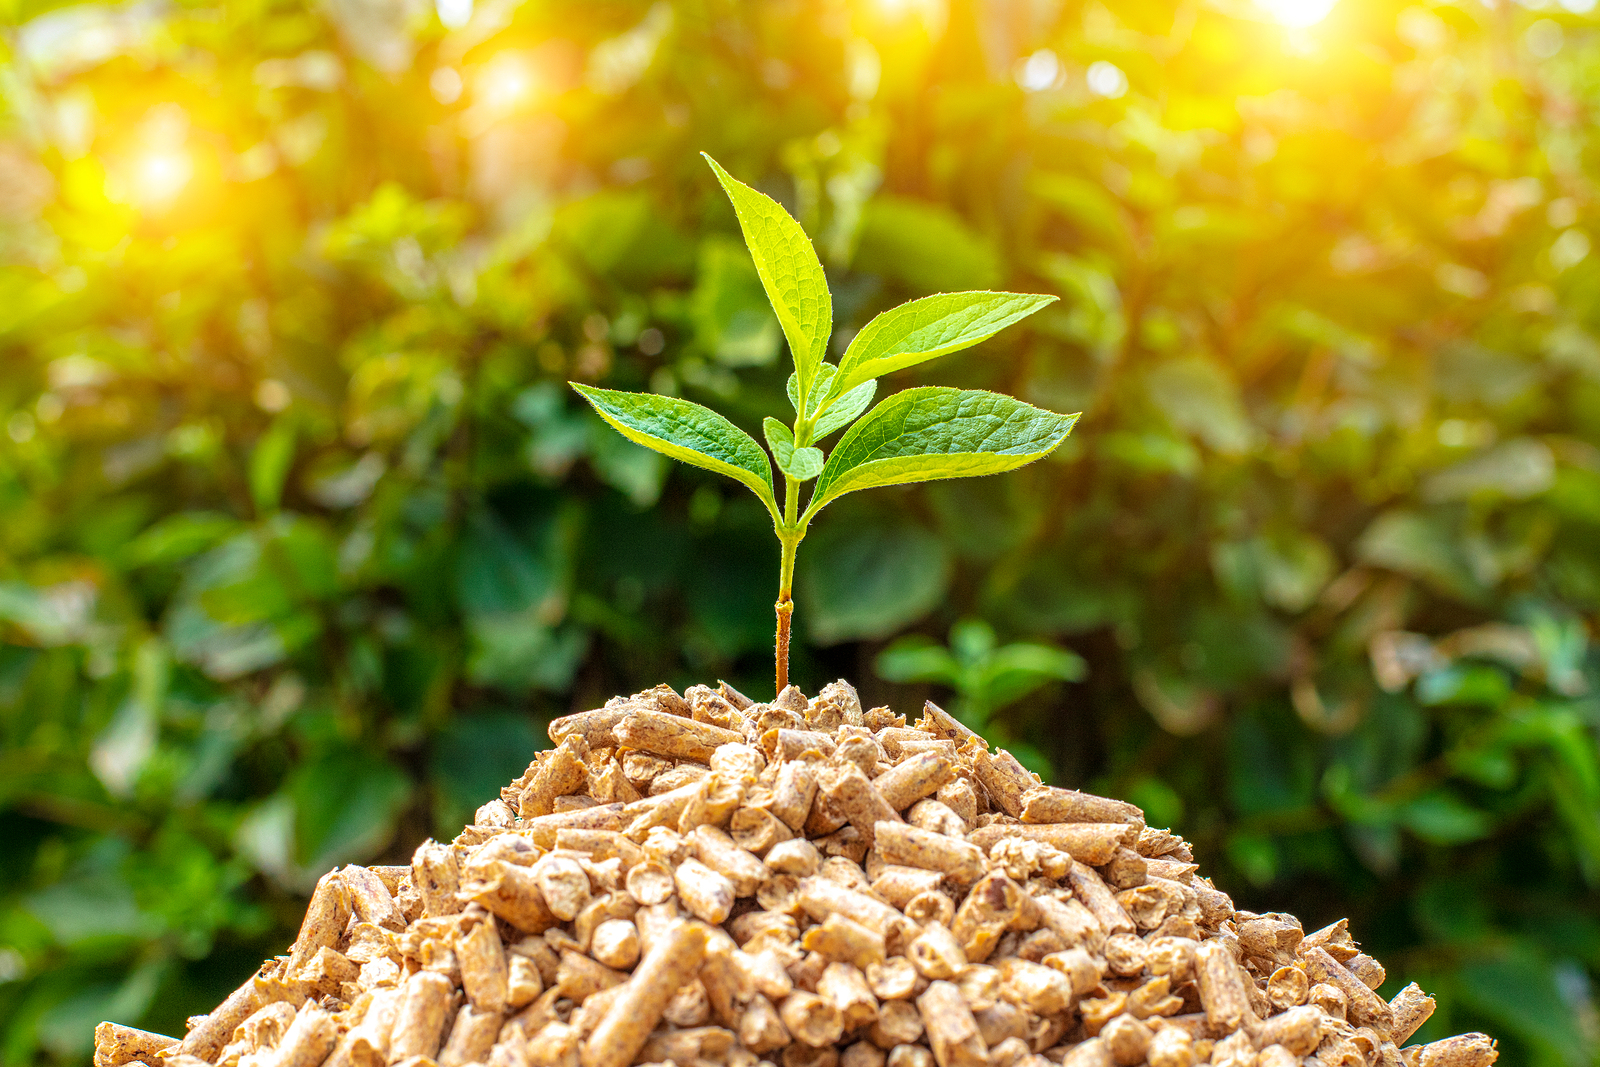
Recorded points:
(915, 435)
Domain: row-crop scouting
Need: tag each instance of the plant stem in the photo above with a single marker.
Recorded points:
(789, 538)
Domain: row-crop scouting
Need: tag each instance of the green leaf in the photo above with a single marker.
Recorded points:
(790, 272)
(925, 329)
(819, 389)
(800, 464)
(928, 433)
(844, 410)
(687, 432)
(269, 465)
(871, 579)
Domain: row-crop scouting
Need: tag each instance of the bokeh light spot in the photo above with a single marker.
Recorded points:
(454, 14)
(1106, 79)
(159, 176)
(505, 82)
(1544, 39)
(1039, 72)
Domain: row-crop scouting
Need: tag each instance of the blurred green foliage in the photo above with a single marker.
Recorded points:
(304, 537)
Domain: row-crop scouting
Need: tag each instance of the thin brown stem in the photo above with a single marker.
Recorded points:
(785, 609)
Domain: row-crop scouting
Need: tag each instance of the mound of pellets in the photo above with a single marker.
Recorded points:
(703, 880)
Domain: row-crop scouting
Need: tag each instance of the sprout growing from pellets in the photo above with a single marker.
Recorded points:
(915, 435)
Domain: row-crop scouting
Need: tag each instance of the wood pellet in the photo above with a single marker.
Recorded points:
(701, 880)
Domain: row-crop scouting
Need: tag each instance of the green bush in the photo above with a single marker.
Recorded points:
(304, 536)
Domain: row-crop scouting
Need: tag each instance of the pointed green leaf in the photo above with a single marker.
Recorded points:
(790, 272)
(800, 464)
(819, 388)
(687, 432)
(923, 434)
(928, 328)
(845, 409)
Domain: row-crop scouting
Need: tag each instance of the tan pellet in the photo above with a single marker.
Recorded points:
(843, 939)
(952, 1032)
(1091, 843)
(811, 1019)
(760, 1028)
(1098, 898)
(308, 1040)
(1330, 999)
(862, 1054)
(910, 780)
(370, 899)
(436, 877)
(671, 960)
(543, 829)
(1170, 1046)
(1046, 804)
(615, 943)
(1221, 987)
(718, 851)
(707, 894)
(850, 795)
(1367, 970)
(115, 1045)
(484, 973)
(595, 727)
(899, 1023)
(579, 977)
(757, 829)
(210, 1033)
(564, 885)
(472, 1036)
(713, 804)
(1411, 1007)
(797, 857)
(1127, 1039)
(936, 954)
(523, 981)
(324, 922)
(556, 773)
(1464, 1050)
(1287, 988)
(512, 893)
(959, 861)
(671, 735)
(1081, 969)
(1298, 1030)
(419, 1024)
(821, 898)
(601, 844)
(931, 906)
(893, 979)
(937, 816)
(1364, 1007)
(910, 1056)
(1276, 1056)
(845, 987)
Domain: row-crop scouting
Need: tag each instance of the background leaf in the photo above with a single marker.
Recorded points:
(869, 581)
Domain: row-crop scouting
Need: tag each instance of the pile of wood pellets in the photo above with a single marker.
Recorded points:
(705, 880)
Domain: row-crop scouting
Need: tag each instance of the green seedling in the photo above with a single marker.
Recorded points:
(915, 435)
